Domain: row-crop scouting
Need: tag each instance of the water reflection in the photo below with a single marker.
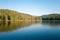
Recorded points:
(8, 23)
(6, 26)
(51, 22)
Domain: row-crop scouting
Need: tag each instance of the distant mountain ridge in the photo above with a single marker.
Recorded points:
(51, 17)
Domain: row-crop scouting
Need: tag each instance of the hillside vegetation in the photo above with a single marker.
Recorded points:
(10, 15)
(51, 17)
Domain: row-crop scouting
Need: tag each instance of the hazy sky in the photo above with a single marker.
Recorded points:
(33, 7)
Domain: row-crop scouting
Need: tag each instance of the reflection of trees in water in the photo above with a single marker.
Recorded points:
(51, 22)
(9, 25)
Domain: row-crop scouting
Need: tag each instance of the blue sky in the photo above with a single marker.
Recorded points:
(33, 7)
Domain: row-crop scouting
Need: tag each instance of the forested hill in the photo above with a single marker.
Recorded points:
(17, 16)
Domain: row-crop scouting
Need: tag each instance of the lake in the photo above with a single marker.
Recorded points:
(46, 30)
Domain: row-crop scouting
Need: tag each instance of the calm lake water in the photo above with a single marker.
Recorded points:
(30, 31)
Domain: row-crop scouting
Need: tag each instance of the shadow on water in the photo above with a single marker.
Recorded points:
(51, 22)
(6, 26)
